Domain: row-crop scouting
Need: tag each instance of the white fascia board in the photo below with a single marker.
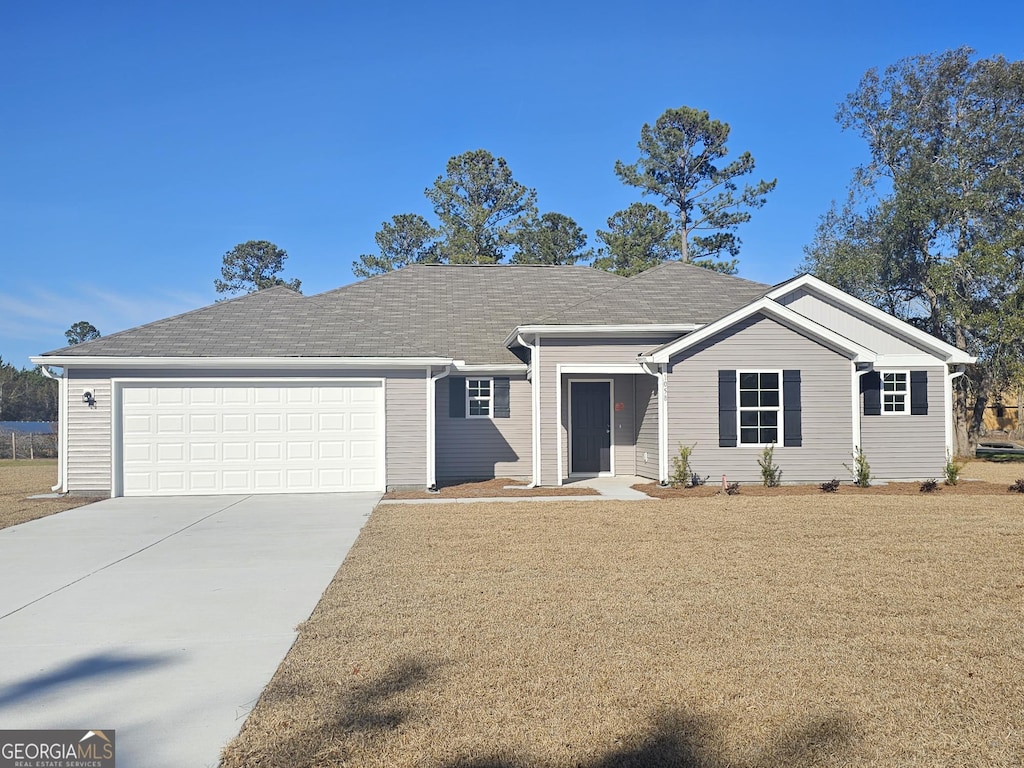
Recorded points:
(628, 368)
(279, 363)
(507, 368)
(909, 361)
(630, 329)
(947, 352)
(777, 312)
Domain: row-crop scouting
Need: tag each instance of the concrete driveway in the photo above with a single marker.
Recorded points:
(162, 619)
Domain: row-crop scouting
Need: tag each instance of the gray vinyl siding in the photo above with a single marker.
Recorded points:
(89, 440)
(904, 446)
(824, 312)
(485, 448)
(568, 351)
(405, 428)
(646, 409)
(89, 429)
(761, 343)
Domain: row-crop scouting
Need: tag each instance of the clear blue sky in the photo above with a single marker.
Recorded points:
(142, 140)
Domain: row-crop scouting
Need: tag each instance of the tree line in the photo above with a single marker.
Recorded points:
(27, 394)
(931, 229)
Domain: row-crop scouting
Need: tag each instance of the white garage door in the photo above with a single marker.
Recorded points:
(199, 438)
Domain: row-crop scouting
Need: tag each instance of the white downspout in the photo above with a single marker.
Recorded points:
(62, 412)
(535, 406)
(432, 426)
(947, 387)
(855, 386)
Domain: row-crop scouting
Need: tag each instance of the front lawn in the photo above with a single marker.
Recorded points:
(823, 630)
(24, 478)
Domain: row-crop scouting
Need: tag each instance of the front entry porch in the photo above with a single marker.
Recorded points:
(608, 425)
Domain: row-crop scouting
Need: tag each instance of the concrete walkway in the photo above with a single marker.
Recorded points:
(162, 619)
(618, 488)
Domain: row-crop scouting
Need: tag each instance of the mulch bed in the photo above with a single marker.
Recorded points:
(963, 488)
(490, 488)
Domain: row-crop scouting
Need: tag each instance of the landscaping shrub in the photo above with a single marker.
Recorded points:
(860, 470)
(682, 473)
(928, 486)
(830, 487)
(732, 488)
(952, 470)
(771, 475)
(1017, 487)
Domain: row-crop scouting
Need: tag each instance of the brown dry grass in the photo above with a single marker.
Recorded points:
(21, 479)
(731, 631)
(478, 489)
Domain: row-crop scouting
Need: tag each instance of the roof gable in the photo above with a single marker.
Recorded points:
(872, 315)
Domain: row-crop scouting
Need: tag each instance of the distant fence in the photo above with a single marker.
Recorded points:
(28, 441)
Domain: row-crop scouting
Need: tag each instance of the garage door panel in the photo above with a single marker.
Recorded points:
(267, 451)
(300, 422)
(364, 422)
(236, 422)
(170, 452)
(199, 423)
(268, 422)
(236, 395)
(212, 437)
(170, 396)
(200, 452)
(170, 424)
(235, 451)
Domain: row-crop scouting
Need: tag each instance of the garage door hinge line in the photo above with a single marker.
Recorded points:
(121, 559)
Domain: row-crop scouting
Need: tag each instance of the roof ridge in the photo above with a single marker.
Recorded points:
(625, 281)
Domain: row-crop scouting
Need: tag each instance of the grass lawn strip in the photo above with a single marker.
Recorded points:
(822, 630)
(21, 479)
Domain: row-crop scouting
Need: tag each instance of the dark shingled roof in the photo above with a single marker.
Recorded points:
(463, 312)
(672, 292)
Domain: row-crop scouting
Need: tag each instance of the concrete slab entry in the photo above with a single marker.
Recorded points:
(163, 619)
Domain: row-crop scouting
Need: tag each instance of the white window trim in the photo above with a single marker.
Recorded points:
(906, 400)
(489, 398)
(779, 426)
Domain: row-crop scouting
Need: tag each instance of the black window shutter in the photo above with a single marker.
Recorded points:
(919, 393)
(457, 397)
(871, 386)
(727, 436)
(792, 429)
(501, 406)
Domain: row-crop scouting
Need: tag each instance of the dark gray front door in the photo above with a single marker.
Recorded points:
(591, 426)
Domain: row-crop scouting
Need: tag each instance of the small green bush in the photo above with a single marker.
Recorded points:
(682, 473)
(952, 469)
(860, 470)
(771, 475)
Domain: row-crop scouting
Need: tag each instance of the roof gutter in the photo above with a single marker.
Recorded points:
(626, 329)
(107, 361)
